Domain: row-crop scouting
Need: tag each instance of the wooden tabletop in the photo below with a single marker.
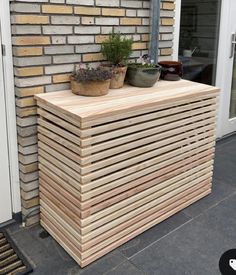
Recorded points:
(117, 101)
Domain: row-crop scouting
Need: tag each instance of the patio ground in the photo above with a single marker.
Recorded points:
(190, 242)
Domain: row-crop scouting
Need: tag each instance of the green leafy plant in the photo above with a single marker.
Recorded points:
(117, 49)
(85, 73)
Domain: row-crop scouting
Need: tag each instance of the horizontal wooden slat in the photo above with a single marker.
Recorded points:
(60, 122)
(147, 109)
(60, 165)
(104, 239)
(121, 123)
(119, 208)
(47, 152)
(170, 157)
(180, 164)
(122, 160)
(117, 103)
(140, 166)
(69, 247)
(114, 154)
(59, 131)
(208, 112)
(116, 210)
(49, 175)
(141, 138)
(61, 143)
(204, 105)
(59, 173)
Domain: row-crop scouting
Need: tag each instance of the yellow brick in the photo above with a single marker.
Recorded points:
(168, 6)
(145, 37)
(31, 40)
(139, 46)
(101, 38)
(87, 10)
(167, 21)
(130, 21)
(31, 19)
(88, 20)
(63, 9)
(30, 71)
(24, 92)
(25, 102)
(167, 51)
(27, 51)
(28, 168)
(30, 203)
(60, 78)
(24, 112)
(113, 12)
(93, 57)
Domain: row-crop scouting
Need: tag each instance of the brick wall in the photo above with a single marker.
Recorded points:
(48, 38)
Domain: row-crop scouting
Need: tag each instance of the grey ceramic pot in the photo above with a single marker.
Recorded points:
(143, 77)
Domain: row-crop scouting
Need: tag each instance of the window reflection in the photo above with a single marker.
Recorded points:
(199, 32)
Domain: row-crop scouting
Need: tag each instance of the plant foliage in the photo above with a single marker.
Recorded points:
(144, 62)
(90, 74)
(117, 49)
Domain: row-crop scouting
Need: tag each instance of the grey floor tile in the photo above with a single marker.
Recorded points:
(126, 268)
(194, 248)
(148, 237)
(101, 266)
(225, 161)
(224, 170)
(49, 258)
(220, 191)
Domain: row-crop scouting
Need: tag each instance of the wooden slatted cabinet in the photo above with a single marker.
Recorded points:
(111, 167)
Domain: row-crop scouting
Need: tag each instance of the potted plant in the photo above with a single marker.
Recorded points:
(89, 81)
(144, 73)
(117, 49)
(171, 70)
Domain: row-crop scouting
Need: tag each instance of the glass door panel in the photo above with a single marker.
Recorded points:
(199, 32)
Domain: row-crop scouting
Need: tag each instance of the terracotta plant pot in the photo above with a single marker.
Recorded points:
(143, 77)
(171, 70)
(90, 88)
(118, 78)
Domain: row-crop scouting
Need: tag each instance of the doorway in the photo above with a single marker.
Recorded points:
(226, 69)
(5, 186)
(207, 49)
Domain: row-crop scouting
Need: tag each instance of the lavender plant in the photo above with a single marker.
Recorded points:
(85, 73)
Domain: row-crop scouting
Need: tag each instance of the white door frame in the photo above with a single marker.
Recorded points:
(176, 30)
(221, 81)
(10, 105)
(5, 187)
